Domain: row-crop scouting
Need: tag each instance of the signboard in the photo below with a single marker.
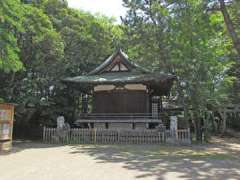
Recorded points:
(5, 114)
(5, 131)
(6, 125)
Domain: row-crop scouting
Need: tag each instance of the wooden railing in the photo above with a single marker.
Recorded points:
(120, 116)
(108, 136)
(103, 136)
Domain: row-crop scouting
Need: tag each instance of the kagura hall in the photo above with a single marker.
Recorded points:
(120, 94)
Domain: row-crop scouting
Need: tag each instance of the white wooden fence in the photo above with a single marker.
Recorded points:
(108, 136)
(233, 109)
(180, 136)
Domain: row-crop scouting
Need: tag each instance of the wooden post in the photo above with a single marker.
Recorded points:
(177, 134)
(95, 135)
(189, 135)
(161, 137)
(161, 105)
(118, 134)
(224, 121)
(44, 131)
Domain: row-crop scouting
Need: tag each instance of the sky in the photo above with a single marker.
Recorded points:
(106, 7)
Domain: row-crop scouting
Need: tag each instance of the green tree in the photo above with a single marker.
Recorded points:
(10, 26)
(229, 10)
(184, 41)
(51, 41)
(88, 38)
(230, 24)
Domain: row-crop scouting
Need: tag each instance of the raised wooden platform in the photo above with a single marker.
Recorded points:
(118, 120)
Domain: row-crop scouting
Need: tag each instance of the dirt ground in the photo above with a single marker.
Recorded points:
(218, 160)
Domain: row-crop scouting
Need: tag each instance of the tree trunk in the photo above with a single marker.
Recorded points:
(230, 26)
(198, 126)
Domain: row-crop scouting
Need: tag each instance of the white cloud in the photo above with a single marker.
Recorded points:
(107, 7)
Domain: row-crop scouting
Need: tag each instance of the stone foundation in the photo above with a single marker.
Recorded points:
(140, 126)
(99, 125)
(123, 126)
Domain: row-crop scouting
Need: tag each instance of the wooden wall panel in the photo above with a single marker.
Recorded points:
(120, 101)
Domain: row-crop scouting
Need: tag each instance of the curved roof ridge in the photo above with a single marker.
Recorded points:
(109, 60)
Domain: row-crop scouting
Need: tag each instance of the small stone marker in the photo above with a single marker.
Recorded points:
(173, 126)
(62, 129)
(60, 122)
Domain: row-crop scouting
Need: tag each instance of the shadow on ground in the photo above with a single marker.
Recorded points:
(219, 160)
(21, 145)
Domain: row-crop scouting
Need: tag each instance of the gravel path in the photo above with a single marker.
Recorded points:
(36, 161)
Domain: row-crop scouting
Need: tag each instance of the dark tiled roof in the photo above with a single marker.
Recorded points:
(121, 77)
(160, 82)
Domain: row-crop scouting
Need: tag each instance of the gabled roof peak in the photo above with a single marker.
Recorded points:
(120, 51)
(118, 61)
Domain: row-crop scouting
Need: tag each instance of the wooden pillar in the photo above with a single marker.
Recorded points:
(161, 104)
(224, 120)
(150, 105)
(84, 103)
(147, 103)
(160, 108)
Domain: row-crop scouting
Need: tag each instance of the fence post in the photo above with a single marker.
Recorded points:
(159, 136)
(44, 131)
(118, 134)
(164, 136)
(224, 121)
(189, 135)
(95, 135)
